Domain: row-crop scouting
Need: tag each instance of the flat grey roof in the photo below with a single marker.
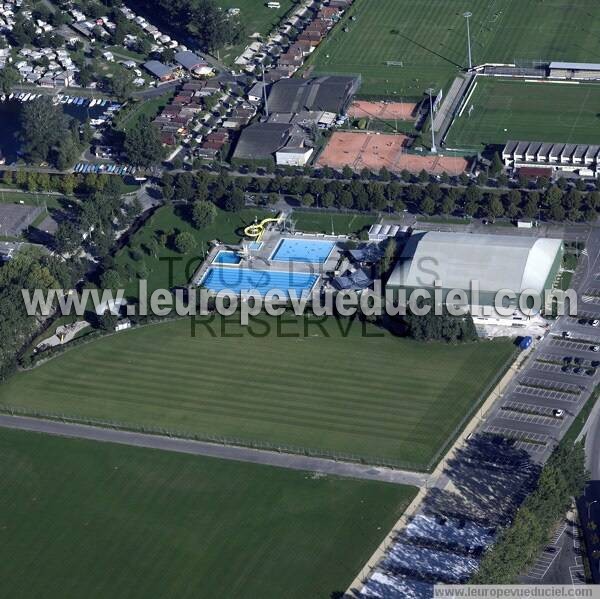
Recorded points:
(328, 93)
(158, 69)
(576, 66)
(510, 146)
(188, 60)
(495, 261)
(262, 140)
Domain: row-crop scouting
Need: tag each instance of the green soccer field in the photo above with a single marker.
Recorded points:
(360, 392)
(97, 520)
(429, 38)
(504, 110)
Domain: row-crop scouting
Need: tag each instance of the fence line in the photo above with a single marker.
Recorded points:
(213, 438)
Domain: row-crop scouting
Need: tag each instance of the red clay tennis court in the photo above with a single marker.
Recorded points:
(370, 150)
(387, 111)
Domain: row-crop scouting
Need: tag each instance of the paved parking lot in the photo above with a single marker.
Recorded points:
(548, 380)
(558, 369)
(545, 561)
(546, 394)
(509, 414)
(535, 442)
(548, 385)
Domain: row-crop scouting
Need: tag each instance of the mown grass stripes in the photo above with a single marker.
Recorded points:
(429, 37)
(378, 397)
(96, 520)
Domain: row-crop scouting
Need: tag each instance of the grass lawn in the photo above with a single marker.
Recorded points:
(149, 108)
(30, 199)
(372, 395)
(341, 224)
(429, 38)
(96, 520)
(535, 111)
(257, 18)
(228, 228)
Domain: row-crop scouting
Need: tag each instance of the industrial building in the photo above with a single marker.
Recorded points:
(326, 94)
(574, 158)
(285, 142)
(494, 262)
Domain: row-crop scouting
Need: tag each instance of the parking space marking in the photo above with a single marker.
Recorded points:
(577, 575)
(592, 335)
(560, 529)
(582, 315)
(558, 369)
(535, 442)
(509, 414)
(520, 406)
(543, 564)
(545, 394)
(571, 345)
(536, 383)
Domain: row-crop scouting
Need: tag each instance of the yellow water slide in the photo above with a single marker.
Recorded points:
(257, 230)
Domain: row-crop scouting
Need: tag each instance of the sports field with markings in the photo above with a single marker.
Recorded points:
(425, 40)
(96, 520)
(513, 109)
(360, 391)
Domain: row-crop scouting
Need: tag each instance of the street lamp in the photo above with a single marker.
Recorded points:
(467, 16)
(433, 148)
(589, 506)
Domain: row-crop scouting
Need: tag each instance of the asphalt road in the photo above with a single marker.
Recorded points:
(226, 452)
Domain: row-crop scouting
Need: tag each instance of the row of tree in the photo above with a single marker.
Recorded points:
(439, 327)
(518, 546)
(555, 204)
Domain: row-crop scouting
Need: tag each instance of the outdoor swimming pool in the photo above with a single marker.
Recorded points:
(245, 279)
(226, 257)
(302, 250)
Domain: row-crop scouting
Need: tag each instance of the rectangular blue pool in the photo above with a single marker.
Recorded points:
(302, 250)
(244, 279)
(226, 257)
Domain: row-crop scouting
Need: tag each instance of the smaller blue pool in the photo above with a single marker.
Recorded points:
(240, 280)
(302, 250)
(226, 257)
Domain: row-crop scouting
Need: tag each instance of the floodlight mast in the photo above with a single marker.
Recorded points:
(265, 92)
(467, 15)
(433, 148)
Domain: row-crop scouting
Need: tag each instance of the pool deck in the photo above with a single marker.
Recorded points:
(260, 259)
